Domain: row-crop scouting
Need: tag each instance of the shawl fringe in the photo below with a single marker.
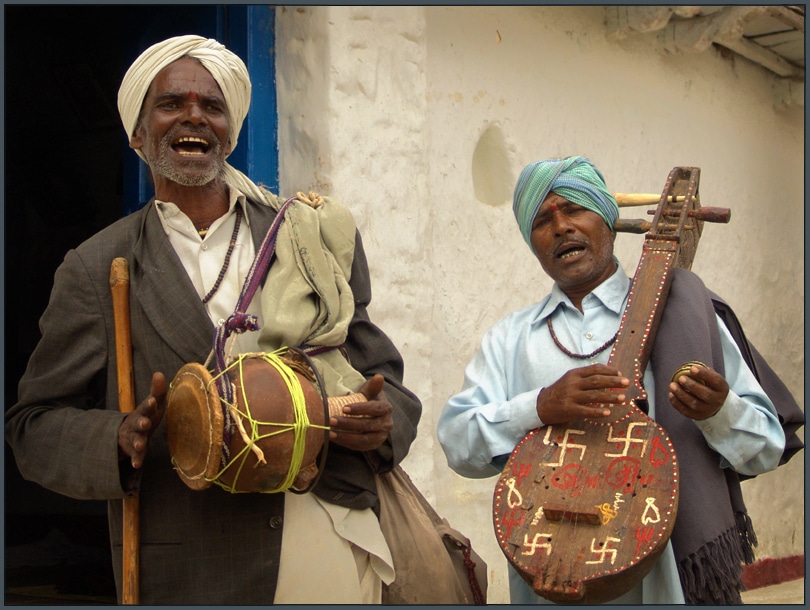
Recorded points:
(713, 574)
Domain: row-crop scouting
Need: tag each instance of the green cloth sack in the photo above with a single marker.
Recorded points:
(306, 298)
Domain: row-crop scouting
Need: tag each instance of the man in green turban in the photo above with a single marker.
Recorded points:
(575, 178)
(547, 364)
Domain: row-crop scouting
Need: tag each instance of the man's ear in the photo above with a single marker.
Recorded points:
(136, 141)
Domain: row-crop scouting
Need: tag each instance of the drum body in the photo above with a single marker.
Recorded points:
(269, 439)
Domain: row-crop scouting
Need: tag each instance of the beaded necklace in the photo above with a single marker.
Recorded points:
(231, 246)
(570, 354)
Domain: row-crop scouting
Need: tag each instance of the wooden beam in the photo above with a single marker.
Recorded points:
(787, 16)
(760, 55)
(697, 34)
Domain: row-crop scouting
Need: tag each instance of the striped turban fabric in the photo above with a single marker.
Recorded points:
(574, 178)
(227, 69)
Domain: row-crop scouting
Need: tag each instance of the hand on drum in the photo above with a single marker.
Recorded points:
(581, 393)
(367, 424)
(137, 427)
(700, 394)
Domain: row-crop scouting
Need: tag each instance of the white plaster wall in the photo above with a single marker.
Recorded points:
(421, 118)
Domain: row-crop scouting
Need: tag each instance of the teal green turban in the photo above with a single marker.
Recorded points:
(574, 178)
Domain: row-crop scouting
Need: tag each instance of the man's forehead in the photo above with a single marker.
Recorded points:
(553, 202)
(186, 75)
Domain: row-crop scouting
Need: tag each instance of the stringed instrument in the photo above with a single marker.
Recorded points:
(583, 510)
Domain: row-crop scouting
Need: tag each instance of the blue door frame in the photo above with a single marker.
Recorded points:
(248, 31)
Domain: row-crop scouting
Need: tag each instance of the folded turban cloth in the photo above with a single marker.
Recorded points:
(574, 178)
(227, 69)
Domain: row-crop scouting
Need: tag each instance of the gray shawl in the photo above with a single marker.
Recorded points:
(713, 534)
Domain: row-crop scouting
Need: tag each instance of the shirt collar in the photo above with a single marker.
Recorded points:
(612, 294)
(167, 208)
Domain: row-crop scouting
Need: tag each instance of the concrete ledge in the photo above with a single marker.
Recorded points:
(785, 593)
(772, 571)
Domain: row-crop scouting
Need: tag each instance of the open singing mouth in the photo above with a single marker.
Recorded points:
(569, 249)
(191, 145)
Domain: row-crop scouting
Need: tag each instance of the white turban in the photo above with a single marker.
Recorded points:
(227, 69)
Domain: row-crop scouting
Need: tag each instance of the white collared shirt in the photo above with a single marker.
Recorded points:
(203, 260)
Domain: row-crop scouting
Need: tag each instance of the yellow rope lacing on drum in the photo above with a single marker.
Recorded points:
(299, 426)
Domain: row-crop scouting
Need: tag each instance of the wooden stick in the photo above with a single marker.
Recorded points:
(707, 214)
(630, 225)
(636, 199)
(119, 286)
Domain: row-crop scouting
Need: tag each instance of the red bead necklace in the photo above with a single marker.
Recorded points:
(571, 354)
(228, 254)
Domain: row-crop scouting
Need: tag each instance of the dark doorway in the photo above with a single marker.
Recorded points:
(68, 174)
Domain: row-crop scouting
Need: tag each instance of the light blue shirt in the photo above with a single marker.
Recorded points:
(497, 406)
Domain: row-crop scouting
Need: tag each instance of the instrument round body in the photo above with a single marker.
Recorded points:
(583, 510)
(256, 453)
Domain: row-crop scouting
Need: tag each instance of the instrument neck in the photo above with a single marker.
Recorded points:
(645, 305)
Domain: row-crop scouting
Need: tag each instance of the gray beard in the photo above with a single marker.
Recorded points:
(190, 172)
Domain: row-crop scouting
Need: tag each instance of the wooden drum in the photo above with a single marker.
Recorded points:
(268, 440)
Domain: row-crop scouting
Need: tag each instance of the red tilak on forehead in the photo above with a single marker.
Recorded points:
(553, 207)
(192, 96)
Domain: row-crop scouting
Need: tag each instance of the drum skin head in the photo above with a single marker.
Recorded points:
(194, 426)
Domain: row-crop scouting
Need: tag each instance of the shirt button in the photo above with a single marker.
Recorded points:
(275, 522)
(204, 246)
(589, 335)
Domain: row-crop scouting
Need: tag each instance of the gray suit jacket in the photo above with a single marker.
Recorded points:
(197, 547)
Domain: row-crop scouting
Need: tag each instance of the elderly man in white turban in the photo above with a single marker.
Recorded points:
(190, 251)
